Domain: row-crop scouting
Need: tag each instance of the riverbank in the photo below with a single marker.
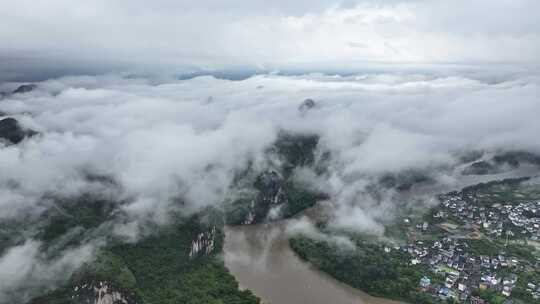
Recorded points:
(260, 258)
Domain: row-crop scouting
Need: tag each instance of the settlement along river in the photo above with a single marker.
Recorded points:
(260, 258)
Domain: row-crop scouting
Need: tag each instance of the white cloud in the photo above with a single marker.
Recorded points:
(160, 141)
(182, 36)
(168, 141)
(25, 266)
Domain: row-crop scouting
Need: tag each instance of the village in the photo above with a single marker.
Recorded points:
(476, 250)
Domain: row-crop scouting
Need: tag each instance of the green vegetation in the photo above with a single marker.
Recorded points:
(299, 199)
(237, 211)
(296, 150)
(276, 187)
(85, 211)
(515, 158)
(483, 247)
(515, 191)
(159, 270)
(470, 156)
(488, 247)
(480, 168)
(57, 296)
(368, 268)
(405, 180)
(521, 291)
(491, 296)
(166, 274)
(62, 225)
(109, 267)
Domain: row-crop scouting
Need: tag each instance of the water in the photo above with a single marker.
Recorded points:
(260, 258)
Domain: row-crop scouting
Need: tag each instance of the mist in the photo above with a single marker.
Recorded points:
(177, 145)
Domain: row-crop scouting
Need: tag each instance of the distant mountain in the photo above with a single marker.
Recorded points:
(25, 88)
(405, 180)
(273, 194)
(501, 162)
(307, 105)
(481, 168)
(516, 158)
(12, 132)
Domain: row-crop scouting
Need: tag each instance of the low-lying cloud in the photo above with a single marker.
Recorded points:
(178, 144)
(25, 268)
(187, 139)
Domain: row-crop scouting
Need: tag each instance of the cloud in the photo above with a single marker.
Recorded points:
(60, 37)
(168, 146)
(305, 227)
(163, 140)
(357, 220)
(24, 268)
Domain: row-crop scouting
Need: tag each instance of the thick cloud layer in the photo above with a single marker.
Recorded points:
(165, 142)
(60, 36)
(188, 137)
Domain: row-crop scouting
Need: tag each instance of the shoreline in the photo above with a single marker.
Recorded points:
(260, 258)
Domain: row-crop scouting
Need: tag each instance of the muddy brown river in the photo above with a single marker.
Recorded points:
(260, 258)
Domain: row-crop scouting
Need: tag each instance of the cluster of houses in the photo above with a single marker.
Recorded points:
(498, 220)
(463, 271)
(449, 256)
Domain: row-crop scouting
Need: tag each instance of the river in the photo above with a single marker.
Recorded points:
(260, 258)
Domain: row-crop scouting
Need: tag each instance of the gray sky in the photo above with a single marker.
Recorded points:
(60, 36)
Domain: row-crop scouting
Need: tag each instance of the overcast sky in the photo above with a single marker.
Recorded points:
(66, 36)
